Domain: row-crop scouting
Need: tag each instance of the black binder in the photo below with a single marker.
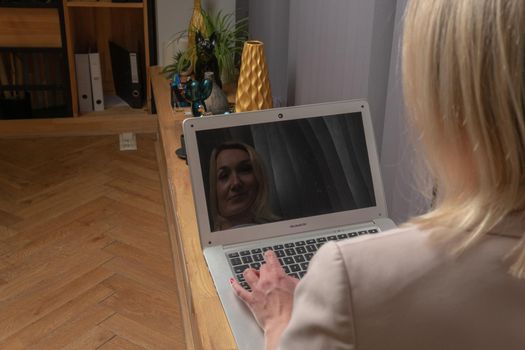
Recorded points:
(127, 77)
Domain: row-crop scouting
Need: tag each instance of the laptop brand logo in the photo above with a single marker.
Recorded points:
(298, 225)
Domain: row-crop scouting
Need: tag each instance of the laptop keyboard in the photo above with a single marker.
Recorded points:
(294, 256)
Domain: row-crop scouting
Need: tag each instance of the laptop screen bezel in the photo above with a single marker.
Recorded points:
(285, 227)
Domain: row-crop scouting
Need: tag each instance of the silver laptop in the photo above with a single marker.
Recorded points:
(286, 179)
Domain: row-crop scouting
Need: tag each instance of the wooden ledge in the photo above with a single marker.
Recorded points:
(82, 126)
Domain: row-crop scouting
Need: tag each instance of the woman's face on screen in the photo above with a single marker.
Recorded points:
(236, 184)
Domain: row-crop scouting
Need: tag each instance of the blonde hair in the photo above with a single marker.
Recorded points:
(260, 210)
(464, 86)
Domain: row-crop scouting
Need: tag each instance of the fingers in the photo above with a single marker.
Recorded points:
(251, 276)
(269, 271)
(271, 259)
(240, 291)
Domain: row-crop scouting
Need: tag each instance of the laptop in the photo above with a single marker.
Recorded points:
(287, 179)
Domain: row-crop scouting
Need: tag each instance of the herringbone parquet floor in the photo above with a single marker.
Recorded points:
(85, 260)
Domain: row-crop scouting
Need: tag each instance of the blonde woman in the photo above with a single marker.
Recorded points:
(453, 278)
(238, 187)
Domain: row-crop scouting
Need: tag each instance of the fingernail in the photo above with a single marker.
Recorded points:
(232, 280)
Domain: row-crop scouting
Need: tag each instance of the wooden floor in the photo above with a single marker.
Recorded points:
(85, 260)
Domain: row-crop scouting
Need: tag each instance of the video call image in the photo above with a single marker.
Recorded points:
(285, 170)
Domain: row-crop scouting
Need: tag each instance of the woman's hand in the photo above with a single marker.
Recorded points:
(271, 298)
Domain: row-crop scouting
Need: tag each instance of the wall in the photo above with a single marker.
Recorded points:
(400, 162)
(334, 50)
(378, 75)
(269, 23)
(174, 16)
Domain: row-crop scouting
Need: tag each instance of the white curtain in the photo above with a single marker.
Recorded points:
(400, 160)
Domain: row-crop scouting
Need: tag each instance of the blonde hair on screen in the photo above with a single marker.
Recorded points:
(464, 86)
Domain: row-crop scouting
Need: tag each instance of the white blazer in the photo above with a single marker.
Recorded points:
(402, 290)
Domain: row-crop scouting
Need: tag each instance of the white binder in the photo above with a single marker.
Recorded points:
(85, 97)
(96, 82)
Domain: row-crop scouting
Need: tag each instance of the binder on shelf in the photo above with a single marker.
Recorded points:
(127, 76)
(96, 82)
(85, 97)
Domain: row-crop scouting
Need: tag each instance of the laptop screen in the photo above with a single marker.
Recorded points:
(284, 170)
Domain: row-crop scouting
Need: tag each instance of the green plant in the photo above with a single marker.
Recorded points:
(181, 63)
(230, 37)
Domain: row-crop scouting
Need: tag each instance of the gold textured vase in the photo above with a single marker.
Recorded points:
(196, 24)
(253, 88)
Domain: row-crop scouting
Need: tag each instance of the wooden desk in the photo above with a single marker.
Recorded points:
(205, 323)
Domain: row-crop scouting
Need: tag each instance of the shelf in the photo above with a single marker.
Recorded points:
(29, 5)
(116, 107)
(91, 25)
(94, 125)
(92, 4)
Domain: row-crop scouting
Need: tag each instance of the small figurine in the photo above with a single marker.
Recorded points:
(178, 84)
(206, 59)
(196, 92)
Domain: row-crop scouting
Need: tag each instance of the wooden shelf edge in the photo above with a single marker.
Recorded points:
(103, 125)
(91, 4)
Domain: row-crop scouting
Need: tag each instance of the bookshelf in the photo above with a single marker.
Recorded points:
(39, 38)
(90, 25)
(34, 80)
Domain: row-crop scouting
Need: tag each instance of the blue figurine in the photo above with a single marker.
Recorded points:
(197, 92)
(177, 92)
